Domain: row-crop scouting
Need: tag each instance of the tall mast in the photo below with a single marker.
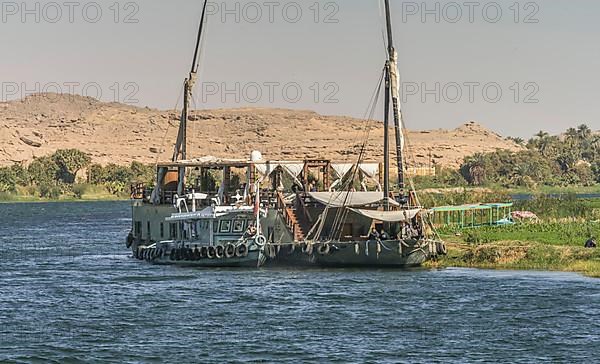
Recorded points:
(393, 90)
(386, 140)
(188, 85)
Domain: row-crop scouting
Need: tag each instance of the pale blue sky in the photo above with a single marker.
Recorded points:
(559, 54)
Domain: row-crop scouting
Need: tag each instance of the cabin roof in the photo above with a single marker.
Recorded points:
(484, 206)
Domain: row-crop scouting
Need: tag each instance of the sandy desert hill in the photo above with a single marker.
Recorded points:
(117, 133)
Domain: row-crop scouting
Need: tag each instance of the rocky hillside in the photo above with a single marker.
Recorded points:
(117, 133)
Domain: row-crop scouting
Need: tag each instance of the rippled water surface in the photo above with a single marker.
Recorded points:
(70, 293)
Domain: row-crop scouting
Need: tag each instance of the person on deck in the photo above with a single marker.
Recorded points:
(373, 235)
(383, 235)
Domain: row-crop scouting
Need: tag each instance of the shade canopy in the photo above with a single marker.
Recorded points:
(388, 216)
(349, 199)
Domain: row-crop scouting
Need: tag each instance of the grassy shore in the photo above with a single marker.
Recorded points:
(554, 246)
(513, 255)
(93, 194)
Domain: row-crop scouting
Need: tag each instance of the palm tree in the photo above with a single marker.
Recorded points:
(549, 146)
(592, 151)
(517, 140)
(541, 141)
(584, 132)
(474, 169)
(572, 134)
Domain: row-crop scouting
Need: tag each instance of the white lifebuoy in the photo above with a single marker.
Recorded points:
(324, 249)
(260, 240)
(211, 252)
(241, 251)
(219, 251)
(229, 251)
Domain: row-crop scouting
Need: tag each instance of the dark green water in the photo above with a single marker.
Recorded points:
(70, 293)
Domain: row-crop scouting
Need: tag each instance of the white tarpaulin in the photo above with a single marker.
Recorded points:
(266, 169)
(263, 169)
(395, 85)
(371, 170)
(388, 216)
(348, 199)
(294, 168)
(341, 169)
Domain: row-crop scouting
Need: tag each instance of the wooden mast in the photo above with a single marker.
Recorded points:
(386, 140)
(392, 89)
(180, 151)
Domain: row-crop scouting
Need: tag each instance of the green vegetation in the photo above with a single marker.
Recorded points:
(555, 243)
(59, 176)
(565, 206)
(573, 159)
(564, 232)
(515, 255)
(548, 164)
(461, 198)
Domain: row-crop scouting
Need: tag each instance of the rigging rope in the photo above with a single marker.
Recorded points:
(347, 183)
(342, 212)
(164, 139)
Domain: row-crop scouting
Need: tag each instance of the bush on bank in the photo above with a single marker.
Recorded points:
(59, 175)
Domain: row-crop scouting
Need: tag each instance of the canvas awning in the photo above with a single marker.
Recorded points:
(265, 169)
(388, 216)
(342, 169)
(369, 169)
(349, 199)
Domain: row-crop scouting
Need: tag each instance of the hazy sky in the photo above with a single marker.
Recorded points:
(455, 57)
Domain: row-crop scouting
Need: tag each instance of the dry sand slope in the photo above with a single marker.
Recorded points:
(117, 133)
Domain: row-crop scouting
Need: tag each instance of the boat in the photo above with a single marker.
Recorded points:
(349, 228)
(216, 236)
(259, 212)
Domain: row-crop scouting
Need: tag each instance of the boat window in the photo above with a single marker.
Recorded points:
(238, 226)
(138, 228)
(173, 231)
(162, 230)
(225, 226)
(194, 229)
(215, 226)
(148, 226)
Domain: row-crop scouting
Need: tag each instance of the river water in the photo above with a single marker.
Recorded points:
(70, 293)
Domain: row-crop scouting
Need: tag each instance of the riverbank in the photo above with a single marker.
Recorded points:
(514, 255)
(554, 245)
(91, 197)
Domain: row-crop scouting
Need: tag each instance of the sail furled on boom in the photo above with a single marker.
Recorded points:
(393, 90)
